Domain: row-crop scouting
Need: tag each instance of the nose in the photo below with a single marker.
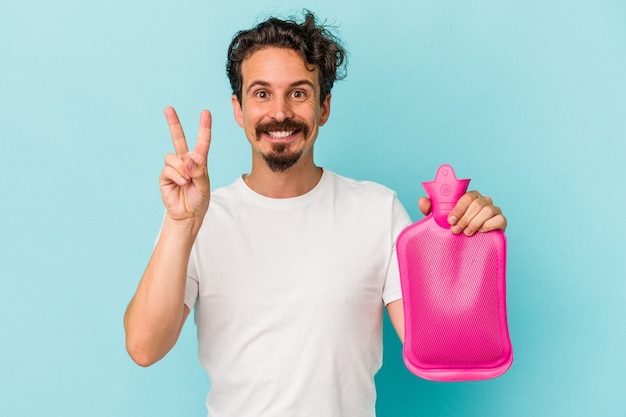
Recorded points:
(281, 109)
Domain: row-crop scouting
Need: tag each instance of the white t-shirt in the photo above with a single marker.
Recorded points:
(289, 295)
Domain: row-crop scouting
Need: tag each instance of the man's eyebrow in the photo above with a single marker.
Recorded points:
(257, 83)
(261, 83)
(302, 82)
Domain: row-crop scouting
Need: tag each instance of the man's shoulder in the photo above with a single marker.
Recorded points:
(225, 195)
(360, 186)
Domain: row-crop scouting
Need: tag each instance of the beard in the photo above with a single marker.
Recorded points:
(280, 158)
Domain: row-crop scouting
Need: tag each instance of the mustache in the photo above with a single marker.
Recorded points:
(285, 125)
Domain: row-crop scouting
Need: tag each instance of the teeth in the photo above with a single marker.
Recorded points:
(280, 135)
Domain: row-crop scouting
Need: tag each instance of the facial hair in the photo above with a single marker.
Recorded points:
(280, 158)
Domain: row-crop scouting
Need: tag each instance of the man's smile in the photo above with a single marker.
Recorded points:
(284, 131)
(281, 134)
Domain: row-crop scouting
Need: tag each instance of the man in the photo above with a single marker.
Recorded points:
(288, 268)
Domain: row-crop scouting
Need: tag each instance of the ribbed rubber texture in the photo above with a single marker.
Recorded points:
(455, 311)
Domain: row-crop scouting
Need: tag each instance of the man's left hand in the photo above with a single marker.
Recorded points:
(472, 213)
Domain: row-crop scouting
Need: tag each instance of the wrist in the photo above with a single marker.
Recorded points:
(188, 226)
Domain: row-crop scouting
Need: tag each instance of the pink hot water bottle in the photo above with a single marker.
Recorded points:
(454, 293)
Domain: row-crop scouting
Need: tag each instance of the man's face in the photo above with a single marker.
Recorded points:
(280, 109)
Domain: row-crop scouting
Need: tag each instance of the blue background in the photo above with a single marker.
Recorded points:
(528, 98)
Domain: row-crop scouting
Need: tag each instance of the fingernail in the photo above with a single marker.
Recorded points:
(182, 181)
(452, 219)
(468, 231)
(455, 229)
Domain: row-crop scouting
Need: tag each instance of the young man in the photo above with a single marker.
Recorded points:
(289, 267)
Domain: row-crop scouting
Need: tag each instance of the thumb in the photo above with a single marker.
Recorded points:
(193, 164)
(189, 164)
(424, 205)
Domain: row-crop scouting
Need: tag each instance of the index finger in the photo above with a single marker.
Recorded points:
(176, 131)
(461, 207)
(204, 135)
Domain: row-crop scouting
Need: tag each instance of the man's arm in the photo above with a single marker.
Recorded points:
(395, 310)
(156, 314)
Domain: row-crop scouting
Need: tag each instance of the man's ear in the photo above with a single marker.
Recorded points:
(325, 110)
(237, 110)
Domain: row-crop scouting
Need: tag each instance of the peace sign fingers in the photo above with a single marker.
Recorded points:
(203, 142)
(184, 181)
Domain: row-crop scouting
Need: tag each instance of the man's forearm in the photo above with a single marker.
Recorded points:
(155, 315)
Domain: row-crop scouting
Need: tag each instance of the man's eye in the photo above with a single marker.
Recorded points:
(261, 94)
(298, 94)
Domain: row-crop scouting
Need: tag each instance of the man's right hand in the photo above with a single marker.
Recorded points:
(184, 181)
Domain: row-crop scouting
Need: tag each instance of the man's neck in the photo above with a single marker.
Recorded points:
(295, 181)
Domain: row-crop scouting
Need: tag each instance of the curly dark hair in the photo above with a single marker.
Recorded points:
(314, 42)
